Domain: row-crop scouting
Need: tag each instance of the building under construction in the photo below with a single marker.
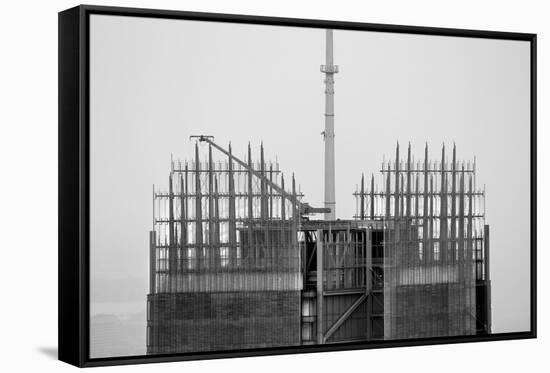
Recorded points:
(238, 259)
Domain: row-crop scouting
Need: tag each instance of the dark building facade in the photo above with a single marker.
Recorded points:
(237, 262)
(211, 321)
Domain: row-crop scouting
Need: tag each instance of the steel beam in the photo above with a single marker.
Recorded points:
(334, 327)
(320, 269)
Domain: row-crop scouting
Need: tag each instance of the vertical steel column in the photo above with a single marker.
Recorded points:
(283, 212)
(408, 184)
(486, 252)
(172, 244)
(418, 259)
(453, 208)
(332, 248)
(175, 272)
(389, 307)
(462, 301)
(211, 248)
(444, 238)
(216, 242)
(409, 255)
(250, 208)
(362, 198)
(152, 262)
(372, 197)
(461, 228)
(295, 219)
(469, 240)
(263, 206)
(163, 261)
(263, 186)
(487, 275)
(187, 199)
(425, 221)
(367, 252)
(232, 218)
(469, 272)
(397, 189)
(183, 219)
(282, 242)
(402, 196)
(443, 212)
(271, 215)
(388, 194)
(431, 240)
(320, 269)
(198, 211)
(416, 197)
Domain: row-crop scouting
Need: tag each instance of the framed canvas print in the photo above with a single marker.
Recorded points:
(237, 186)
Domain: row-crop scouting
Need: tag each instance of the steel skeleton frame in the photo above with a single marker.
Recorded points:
(220, 223)
(435, 241)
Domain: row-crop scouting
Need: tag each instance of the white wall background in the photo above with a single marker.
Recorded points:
(28, 187)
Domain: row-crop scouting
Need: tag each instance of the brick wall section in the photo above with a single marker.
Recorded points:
(196, 322)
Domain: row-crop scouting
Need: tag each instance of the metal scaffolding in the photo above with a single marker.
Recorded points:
(435, 246)
(221, 226)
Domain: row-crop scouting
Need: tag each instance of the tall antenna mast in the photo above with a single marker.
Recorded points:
(329, 69)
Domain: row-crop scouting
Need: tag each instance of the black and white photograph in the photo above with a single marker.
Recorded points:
(274, 186)
(260, 186)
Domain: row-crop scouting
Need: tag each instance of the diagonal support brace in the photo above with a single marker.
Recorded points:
(334, 327)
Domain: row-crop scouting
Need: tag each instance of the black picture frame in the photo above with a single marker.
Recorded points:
(74, 149)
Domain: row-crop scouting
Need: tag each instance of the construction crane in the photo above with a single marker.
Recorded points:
(303, 207)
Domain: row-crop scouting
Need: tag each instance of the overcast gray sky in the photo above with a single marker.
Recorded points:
(154, 82)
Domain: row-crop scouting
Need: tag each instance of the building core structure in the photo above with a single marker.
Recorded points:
(239, 260)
